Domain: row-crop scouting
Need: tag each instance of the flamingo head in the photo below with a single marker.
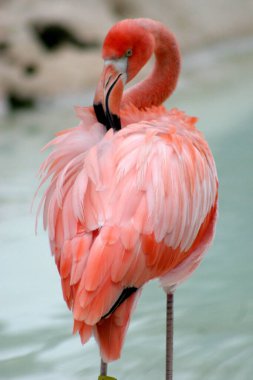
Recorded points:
(126, 49)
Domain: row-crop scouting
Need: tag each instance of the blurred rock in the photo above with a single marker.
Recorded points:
(49, 48)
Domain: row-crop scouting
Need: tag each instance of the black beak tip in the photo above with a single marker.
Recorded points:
(116, 122)
(100, 113)
(108, 120)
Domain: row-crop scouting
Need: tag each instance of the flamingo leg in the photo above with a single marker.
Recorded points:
(169, 337)
(103, 372)
(103, 368)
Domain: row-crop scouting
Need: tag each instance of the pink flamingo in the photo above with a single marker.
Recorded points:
(133, 191)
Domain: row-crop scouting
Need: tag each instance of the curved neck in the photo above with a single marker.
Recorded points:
(159, 85)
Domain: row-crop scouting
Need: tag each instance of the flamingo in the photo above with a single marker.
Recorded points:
(132, 192)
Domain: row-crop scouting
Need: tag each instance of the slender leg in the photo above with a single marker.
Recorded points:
(169, 338)
(103, 368)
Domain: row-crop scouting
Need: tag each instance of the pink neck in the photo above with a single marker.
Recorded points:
(159, 85)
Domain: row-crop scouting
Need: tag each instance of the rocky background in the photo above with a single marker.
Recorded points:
(52, 47)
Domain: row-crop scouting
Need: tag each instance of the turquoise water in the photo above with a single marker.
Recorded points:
(213, 310)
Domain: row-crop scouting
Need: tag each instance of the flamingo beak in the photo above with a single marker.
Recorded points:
(109, 93)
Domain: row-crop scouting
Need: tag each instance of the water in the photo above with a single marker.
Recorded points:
(213, 310)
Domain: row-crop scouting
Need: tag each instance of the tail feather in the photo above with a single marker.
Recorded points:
(110, 332)
(85, 331)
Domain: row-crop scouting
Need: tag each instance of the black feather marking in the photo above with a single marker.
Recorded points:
(127, 292)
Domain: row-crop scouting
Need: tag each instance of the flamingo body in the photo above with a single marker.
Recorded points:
(124, 207)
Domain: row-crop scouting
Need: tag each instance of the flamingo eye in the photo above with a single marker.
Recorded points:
(128, 53)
